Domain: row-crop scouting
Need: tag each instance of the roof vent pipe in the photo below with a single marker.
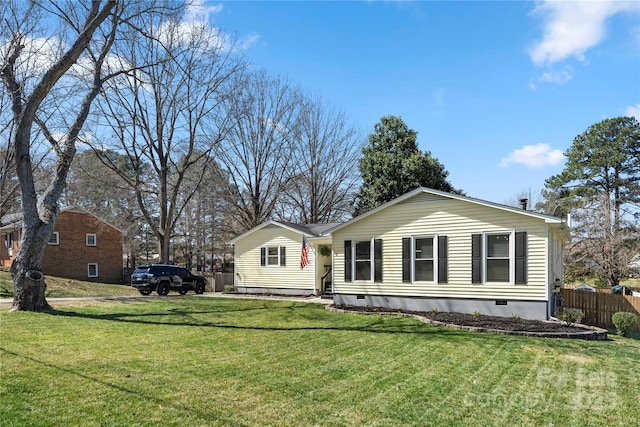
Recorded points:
(523, 203)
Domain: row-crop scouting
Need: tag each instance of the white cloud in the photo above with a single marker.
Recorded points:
(196, 34)
(553, 77)
(534, 156)
(196, 25)
(572, 27)
(249, 41)
(197, 10)
(557, 77)
(633, 111)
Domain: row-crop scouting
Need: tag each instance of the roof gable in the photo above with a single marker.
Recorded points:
(424, 195)
(308, 230)
(15, 220)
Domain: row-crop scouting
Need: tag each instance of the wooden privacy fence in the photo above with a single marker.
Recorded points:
(598, 307)
(221, 280)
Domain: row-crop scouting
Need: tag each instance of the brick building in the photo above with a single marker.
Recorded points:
(82, 247)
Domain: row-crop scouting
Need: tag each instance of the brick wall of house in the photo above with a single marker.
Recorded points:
(6, 253)
(71, 256)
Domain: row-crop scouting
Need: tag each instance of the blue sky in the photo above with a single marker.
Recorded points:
(496, 90)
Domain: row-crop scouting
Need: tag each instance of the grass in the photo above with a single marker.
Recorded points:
(65, 288)
(221, 361)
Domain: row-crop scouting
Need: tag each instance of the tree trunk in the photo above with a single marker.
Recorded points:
(165, 245)
(29, 292)
(26, 269)
(40, 213)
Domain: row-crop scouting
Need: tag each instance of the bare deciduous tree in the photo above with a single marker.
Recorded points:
(53, 65)
(21, 21)
(204, 225)
(166, 117)
(603, 251)
(324, 169)
(8, 181)
(257, 151)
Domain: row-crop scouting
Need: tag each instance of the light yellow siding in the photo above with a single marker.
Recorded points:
(430, 215)
(250, 273)
(556, 267)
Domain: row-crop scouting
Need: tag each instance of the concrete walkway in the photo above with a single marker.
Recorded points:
(314, 299)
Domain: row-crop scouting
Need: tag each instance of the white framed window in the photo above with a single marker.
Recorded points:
(273, 256)
(499, 257)
(362, 258)
(91, 240)
(424, 259)
(54, 239)
(424, 256)
(92, 270)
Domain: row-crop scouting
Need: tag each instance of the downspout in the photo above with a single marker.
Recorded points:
(548, 296)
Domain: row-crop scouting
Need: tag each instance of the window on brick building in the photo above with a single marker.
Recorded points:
(92, 270)
(8, 243)
(91, 240)
(55, 238)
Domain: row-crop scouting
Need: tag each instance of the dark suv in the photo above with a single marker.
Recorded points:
(163, 278)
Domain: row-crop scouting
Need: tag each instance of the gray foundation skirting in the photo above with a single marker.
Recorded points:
(533, 310)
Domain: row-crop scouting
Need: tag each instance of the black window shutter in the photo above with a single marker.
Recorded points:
(476, 258)
(377, 260)
(347, 260)
(406, 259)
(521, 257)
(263, 256)
(283, 256)
(442, 259)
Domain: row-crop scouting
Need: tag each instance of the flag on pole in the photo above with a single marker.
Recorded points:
(304, 256)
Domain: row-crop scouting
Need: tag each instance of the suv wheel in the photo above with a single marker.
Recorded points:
(145, 291)
(199, 288)
(163, 289)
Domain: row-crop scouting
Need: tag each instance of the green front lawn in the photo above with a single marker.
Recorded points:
(188, 361)
(58, 287)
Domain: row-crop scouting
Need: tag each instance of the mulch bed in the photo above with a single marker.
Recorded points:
(494, 324)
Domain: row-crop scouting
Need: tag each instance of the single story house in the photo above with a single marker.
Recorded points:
(268, 259)
(82, 246)
(428, 250)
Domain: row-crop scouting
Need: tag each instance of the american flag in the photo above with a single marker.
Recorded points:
(304, 256)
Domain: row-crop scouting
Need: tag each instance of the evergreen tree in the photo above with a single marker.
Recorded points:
(601, 185)
(392, 165)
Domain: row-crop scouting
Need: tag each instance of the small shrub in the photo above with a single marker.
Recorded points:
(624, 322)
(571, 315)
(229, 289)
(434, 311)
(516, 317)
(477, 314)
